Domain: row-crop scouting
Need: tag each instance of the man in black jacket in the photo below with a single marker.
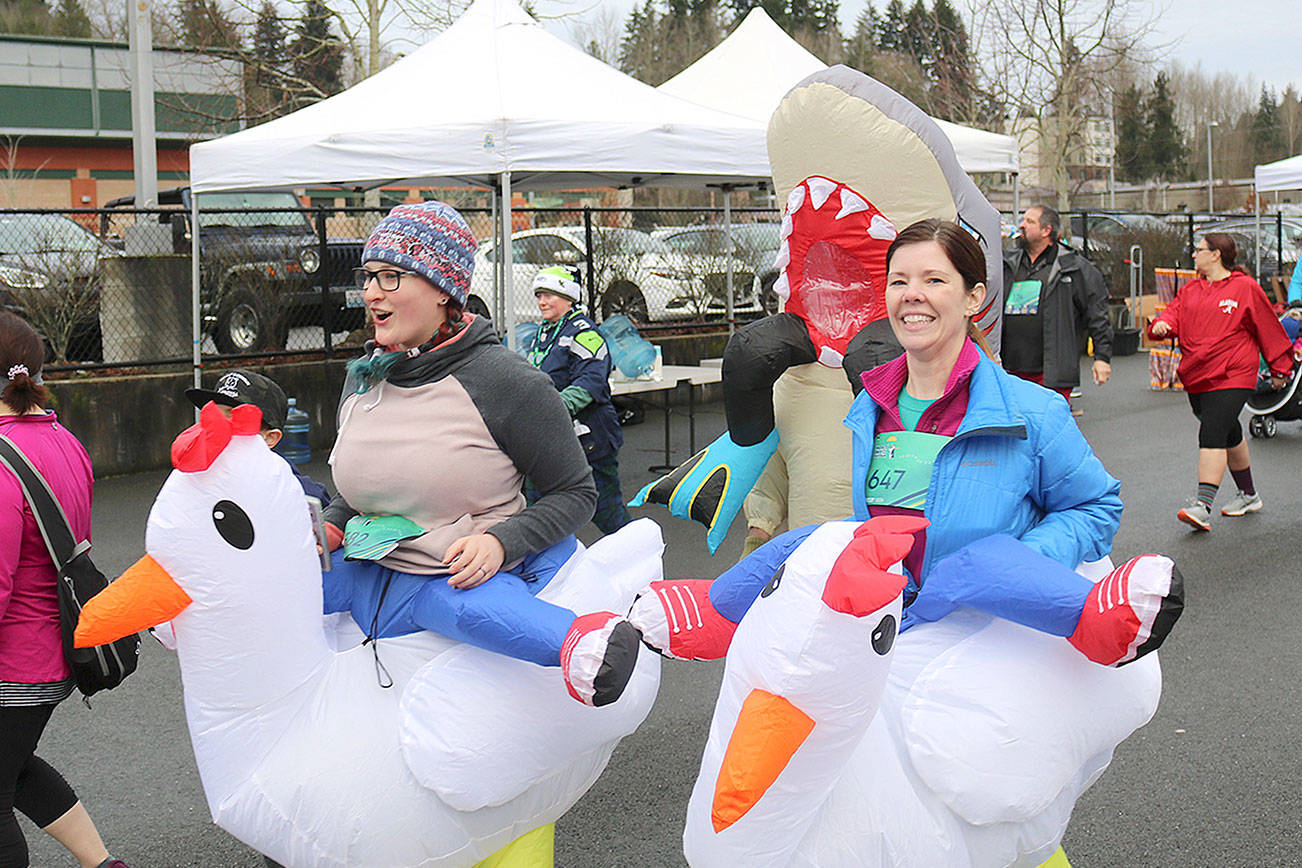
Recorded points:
(1050, 293)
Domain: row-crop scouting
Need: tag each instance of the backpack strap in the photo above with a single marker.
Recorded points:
(49, 514)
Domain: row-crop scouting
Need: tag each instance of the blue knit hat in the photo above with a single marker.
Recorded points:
(431, 239)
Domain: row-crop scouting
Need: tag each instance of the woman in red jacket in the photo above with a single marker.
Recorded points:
(1224, 322)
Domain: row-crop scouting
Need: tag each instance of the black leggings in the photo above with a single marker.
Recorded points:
(1218, 413)
(27, 782)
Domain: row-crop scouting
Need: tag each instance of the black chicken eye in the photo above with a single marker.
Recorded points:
(774, 582)
(233, 524)
(884, 635)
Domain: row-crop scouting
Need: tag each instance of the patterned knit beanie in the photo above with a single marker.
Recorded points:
(431, 239)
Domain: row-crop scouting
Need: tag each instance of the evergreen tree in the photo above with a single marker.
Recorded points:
(953, 67)
(892, 35)
(70, 19)
(919, 35)
(205, 25)
(1131, 135)
(269, 63)
(1267, 136)
(318, 55)
(862, 44)
(1166, 148)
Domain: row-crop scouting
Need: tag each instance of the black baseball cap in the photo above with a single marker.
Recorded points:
(246, 387)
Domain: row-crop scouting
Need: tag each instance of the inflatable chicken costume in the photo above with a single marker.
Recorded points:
(318, 749)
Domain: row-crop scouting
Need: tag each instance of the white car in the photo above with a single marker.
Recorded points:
(635, 275)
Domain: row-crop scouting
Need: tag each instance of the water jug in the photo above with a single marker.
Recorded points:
(633, 354)
(526, 335)
(294, 445)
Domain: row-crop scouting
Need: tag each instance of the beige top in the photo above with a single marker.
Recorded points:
(425, 453)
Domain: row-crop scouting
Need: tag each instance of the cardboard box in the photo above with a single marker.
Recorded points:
(1144, 309)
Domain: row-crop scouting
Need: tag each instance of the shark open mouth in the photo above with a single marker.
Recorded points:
(833, 261)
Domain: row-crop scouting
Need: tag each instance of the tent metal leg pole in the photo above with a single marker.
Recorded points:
(508, 273)
(727, 248)
(1256, 204)
(196, 323)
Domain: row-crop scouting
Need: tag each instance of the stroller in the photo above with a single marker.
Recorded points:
(1268, 405)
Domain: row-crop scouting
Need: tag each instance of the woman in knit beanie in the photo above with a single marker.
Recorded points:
(439, 426)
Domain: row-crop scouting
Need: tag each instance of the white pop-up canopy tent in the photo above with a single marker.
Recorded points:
(749, 72)
(1281, 175)
(497, 101)
(493, 94)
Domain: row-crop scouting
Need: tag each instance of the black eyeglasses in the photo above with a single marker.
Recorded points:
(1200, 250)
(388, 278)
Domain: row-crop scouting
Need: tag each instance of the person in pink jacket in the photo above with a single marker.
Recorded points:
(34, 677)
(1224, 323)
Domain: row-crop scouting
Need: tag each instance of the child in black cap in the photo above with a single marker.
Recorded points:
(243, 386)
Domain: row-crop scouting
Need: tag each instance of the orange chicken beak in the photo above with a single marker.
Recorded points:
(142, 597)
(767, 734)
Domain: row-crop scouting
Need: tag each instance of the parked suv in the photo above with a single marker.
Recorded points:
(635, 274)
(259, 266)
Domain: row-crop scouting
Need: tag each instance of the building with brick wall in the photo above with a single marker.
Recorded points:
(65, 117)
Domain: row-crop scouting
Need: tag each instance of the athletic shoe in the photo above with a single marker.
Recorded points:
(677, 619)
(112, 863)
(1130, 611)
(598, 656)
(1196, 515)
(1241, 504)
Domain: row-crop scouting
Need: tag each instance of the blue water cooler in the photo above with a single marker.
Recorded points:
(633, 354)
(295, 445)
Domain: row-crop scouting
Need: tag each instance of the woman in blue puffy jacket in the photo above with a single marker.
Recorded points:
(1014, 497)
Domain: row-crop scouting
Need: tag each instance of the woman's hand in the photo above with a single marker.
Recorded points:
(474, 560)
(1161, 328)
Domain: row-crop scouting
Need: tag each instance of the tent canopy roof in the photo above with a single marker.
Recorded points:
(494, 92)
(750, 71)
(1281, 175)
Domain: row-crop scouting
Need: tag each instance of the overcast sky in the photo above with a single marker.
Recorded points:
(1262, 38)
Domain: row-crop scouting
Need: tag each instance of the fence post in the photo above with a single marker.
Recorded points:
(591, 276)
(1084, 234)
(323, 279)
(1189, 251)
(1279, 243)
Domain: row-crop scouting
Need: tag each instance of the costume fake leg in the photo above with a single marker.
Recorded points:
(1122, 617)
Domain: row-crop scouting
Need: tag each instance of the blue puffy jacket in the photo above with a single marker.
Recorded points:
(1017, 466)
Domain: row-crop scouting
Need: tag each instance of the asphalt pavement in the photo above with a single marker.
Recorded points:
(1214, 780)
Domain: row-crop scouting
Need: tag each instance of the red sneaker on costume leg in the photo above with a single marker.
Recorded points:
(677, 619)
(1130, 611)
(598, 657)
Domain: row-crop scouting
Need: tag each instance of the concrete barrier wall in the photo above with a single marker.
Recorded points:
(128, 423)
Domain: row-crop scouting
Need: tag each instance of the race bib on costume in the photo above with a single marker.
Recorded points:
(1023, 297)
(901, 466)
(371, 537)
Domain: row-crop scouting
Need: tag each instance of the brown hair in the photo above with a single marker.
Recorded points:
(1223, 243)
(963, 252)
(21, 347)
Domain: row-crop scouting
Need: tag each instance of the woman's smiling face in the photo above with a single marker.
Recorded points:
(926, 301)
(408, 316)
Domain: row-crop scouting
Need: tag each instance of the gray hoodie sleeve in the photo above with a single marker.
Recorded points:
(528, 419)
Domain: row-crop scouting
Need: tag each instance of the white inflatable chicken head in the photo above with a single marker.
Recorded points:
(231, 512)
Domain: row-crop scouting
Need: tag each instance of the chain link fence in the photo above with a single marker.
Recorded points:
(111, 287)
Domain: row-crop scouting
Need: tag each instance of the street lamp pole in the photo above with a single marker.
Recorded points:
(1211, 207)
